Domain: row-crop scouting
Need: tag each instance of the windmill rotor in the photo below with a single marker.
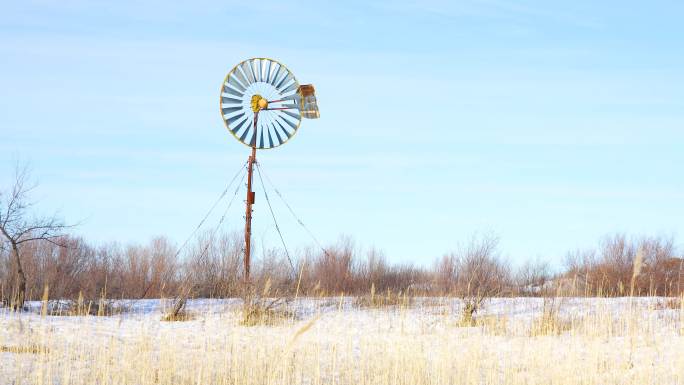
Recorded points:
(262, 103)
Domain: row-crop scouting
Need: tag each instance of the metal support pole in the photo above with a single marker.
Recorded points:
(249, 203)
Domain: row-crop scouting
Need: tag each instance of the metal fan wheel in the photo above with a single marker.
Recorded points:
(244, 87)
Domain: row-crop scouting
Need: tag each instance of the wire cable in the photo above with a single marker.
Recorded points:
(223, 194)
(270, 208)
(223, 217)
(295, 215)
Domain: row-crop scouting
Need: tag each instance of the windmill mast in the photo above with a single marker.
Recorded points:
(248, 212)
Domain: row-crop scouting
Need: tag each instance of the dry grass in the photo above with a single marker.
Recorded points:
(265, 312)
(82, 307)
(608, 345)
(31, 349)
(496, 325)
(387, 299)
(675, 303)
(550, 324)
(180, 317)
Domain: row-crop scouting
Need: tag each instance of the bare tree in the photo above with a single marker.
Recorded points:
(610, 269)
(334, 268)
(532, 277)
(479, 274)
(18, 227)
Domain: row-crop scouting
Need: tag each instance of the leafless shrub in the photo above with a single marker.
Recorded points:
(610, 270)
(533, 278)
(215, 264)
(334, 269)
(475, 273)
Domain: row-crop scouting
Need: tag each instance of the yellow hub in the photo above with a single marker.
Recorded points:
(258, 103)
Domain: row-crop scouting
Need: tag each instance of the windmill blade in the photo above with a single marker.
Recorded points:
(292, 87)
(268, 71)
(264, 64)
(244, 134)
(286, 79)
(275, 77)
(254, 66)
(252, 141)
(270, 139)
(287, 133)
(280, 139)
(241, 77)
(239, 125)
(292, 115)
(293, 125)
(231, 91)
(228, 100)
(245, 74)
(233, 82)
(230, 110)
(257, 70)
(261, 138)
(294, 96)
(249, 71)
(263, 73)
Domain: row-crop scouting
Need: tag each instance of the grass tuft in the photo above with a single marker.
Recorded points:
(263, 312)
(179, 317)
(31, 349)
(669, 303)
(379, 300)
(550, 322)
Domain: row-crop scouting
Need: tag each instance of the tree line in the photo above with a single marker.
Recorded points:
(70, 266)
(38, 256)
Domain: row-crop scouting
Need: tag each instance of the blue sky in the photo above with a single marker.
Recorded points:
(550, 124)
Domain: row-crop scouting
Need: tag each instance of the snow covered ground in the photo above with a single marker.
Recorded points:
(590, 341)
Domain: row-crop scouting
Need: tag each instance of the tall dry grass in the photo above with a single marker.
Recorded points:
(605, 341)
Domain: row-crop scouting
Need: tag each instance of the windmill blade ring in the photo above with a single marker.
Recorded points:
(245, 94)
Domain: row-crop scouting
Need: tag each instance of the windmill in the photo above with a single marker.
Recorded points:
(262, 105)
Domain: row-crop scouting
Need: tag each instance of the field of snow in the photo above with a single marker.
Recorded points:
(332, 340)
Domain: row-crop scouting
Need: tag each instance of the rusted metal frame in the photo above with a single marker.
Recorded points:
(249, 202)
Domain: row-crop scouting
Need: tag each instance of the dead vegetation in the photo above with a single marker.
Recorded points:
(496, 325)
(265, 312)
(375, 300)
(264, 307)
(180, 316)
(30, 349)
(550, 322)
(675, 303)
(75, 308)
(474, 272)
(611, 269)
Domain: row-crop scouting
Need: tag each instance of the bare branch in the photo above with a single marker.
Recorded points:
(17, 229)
